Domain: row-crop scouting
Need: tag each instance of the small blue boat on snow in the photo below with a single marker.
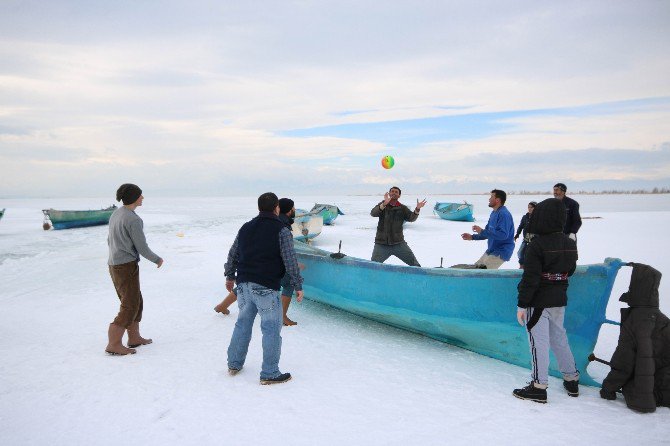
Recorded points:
(306, 225)
(474, 309)
(454, 211)
(76, 219)
(329, 212)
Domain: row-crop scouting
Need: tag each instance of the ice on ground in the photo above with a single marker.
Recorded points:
(355, 381)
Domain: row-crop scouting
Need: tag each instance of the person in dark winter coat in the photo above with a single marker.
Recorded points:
(523, 226)
(641, 362)
(389, 239)
(551, 257)
(573, 220)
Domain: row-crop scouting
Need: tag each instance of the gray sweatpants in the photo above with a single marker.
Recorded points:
(401, 251)
(549, 332)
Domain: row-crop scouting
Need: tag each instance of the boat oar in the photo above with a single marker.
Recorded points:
(592, 357)
(338, 254)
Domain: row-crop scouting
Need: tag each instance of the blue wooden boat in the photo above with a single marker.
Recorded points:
(454, 211)
(76, 219)
(329, 212)
(474, 309)
(306, 225)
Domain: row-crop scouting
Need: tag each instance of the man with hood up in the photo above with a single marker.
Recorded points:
(641, 362)
(551, 257)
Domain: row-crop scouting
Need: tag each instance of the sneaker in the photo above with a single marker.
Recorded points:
(572, 387)
(233, 371)
(277, 380)
(532, 393)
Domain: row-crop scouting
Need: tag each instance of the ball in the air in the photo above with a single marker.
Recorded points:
(388, 162)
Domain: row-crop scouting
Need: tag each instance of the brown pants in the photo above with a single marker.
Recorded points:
(126, 279)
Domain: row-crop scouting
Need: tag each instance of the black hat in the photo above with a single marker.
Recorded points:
(285, 205)
(129, 193)
(561, 186)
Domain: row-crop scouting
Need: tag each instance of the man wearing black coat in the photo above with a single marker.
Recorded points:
(573, 221)
(641, 362)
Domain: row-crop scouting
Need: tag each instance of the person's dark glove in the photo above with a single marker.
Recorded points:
(607, 395)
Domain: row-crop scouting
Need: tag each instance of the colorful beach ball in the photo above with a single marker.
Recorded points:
(388, 162)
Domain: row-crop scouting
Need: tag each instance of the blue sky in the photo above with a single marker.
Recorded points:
(228, 98)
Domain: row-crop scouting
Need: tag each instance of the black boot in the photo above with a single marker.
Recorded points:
(277, 380)
(530, 392)
(572, 387)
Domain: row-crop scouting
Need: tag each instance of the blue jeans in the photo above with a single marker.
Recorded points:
(253, 298)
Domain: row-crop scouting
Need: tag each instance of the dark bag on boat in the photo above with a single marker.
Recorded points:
(641, 362)
(468, 266)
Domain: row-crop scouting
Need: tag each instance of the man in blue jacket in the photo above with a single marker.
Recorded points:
(499, 232)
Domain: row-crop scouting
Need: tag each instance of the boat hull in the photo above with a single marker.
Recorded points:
(329, 212)
(454, 211)
(472, 309)
(78, 219)
(306, 225)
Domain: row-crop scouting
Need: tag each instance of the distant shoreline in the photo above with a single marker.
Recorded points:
(581, 192)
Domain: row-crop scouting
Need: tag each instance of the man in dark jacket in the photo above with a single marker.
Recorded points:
(286, 215)
(573, 221)
(262, 252)
(526, 235)
(551, 257)
(389, 240)
(641, 362)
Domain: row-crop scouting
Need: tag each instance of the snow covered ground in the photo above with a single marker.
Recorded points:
(355, 381)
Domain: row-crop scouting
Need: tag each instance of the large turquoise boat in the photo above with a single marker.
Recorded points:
(76, 219)
(474, 309)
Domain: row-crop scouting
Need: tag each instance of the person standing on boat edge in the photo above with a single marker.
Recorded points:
(551, 257)
(389, 239)
(573, 220)
(127, 242)
(499, 232)
(286, 215)
(523, 226)
(260, 256)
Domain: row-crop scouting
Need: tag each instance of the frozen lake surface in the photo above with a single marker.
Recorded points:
(355, 381)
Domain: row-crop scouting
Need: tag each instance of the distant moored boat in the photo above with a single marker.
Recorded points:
(76, 219)
(454, 211)
(329, 212)
(2, 212)
(306, 225)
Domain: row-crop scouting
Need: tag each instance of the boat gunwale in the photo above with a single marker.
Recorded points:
(317, 253)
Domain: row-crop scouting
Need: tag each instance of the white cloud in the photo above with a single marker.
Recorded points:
(205, 87)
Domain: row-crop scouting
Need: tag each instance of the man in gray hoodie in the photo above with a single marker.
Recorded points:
(126, 243)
